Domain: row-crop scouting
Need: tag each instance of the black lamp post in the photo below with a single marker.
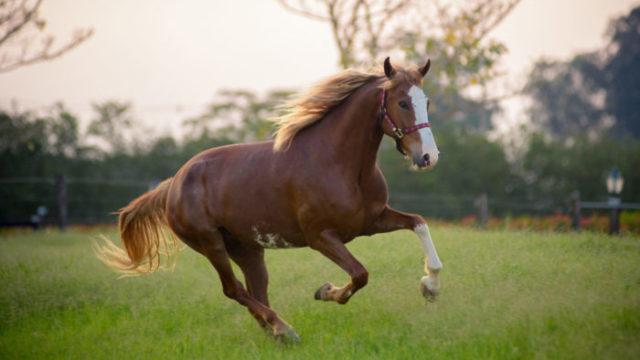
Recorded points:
(614, 187)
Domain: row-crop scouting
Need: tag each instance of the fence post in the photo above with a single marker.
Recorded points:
(576, 216)
(61, 201)
(482, 204)
(614, 218)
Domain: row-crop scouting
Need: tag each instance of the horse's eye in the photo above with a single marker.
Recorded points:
(403, 105)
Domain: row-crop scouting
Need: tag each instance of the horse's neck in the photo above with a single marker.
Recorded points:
(350, 133)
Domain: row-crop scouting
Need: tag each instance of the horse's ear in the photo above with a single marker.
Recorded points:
(388, 69)
(425, 69)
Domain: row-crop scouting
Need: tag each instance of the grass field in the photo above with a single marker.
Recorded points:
(505, 295)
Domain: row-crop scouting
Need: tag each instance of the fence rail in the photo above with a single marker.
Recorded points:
(92, 200)
(37, 201)
(607, 205)
(614, 205)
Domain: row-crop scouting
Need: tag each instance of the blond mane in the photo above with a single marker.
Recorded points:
(311, 106)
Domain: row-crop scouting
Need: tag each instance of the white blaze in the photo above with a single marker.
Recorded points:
(419, 102)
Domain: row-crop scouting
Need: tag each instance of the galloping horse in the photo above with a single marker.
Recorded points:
(317, 184)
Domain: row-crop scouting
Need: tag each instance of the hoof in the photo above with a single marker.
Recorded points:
(322, 290)
(290, 337)
(429, 293)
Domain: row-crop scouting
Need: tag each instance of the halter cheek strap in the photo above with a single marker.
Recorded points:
(398, 133)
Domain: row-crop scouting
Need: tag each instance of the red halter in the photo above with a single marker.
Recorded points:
(398, 133)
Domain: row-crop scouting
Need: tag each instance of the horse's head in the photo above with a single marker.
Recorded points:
(404, 114)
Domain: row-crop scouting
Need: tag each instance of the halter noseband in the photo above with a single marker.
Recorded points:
(398, 133)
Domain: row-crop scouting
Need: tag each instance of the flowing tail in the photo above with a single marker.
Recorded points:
(143, 236)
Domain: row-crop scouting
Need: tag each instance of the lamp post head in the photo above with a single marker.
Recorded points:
(615, 182)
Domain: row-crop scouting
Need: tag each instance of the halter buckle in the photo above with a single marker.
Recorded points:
(399, 134)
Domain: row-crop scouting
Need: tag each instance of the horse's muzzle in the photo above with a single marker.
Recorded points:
(425, 162)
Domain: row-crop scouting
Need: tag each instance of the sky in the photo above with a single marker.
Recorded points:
(169, 57)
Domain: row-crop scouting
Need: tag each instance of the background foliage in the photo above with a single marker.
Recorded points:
(583, 115)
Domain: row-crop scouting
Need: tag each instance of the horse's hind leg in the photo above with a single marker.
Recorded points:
(251, 262)
(212, 246)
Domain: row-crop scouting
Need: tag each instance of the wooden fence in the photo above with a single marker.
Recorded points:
(614, 205)
(62, 200)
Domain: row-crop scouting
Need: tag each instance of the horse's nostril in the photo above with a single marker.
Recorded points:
(426, 159)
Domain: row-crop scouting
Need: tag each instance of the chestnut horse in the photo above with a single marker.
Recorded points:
(316, 185)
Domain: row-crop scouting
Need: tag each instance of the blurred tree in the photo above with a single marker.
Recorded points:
(20, 28)
(238, 116)
(27, 133)
(17, 130)
(594, 91)
(35, 147)
(568, 97)
(552, 168)
(113, 120)
(453, 34)
(63, 131)
(358, 26)
(23, 143)
(622, 72)
(464, 59)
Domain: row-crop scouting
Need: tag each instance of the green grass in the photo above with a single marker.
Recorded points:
(504, 295)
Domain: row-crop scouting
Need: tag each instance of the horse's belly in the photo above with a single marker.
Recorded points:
(261, 219)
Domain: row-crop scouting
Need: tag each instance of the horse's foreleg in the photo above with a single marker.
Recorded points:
(430, 284)
(391, 220)
(329, 244)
